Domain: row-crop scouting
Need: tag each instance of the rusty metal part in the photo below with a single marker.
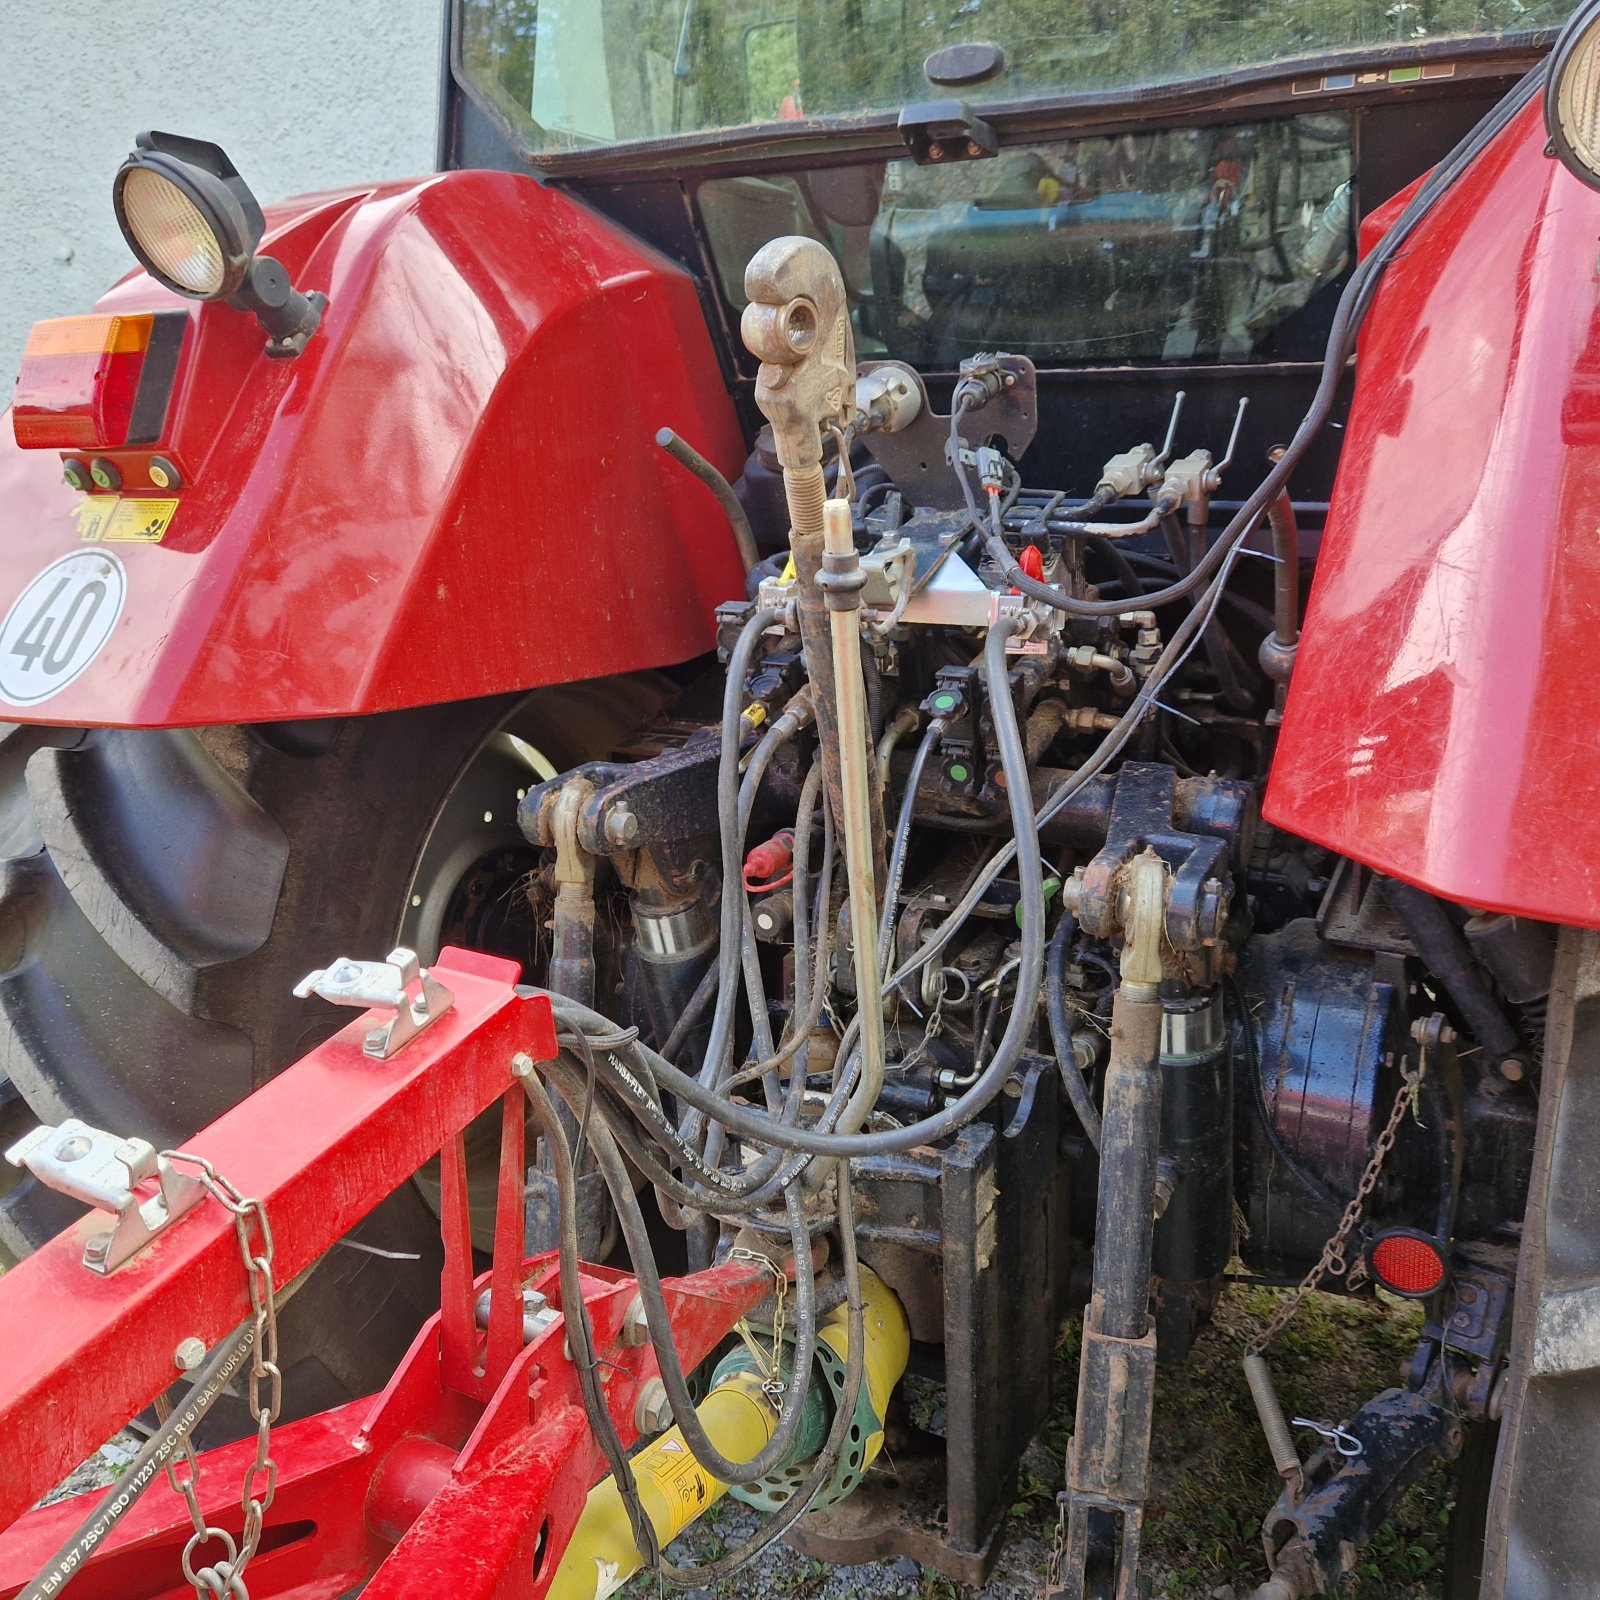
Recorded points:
(1108, 1462)
(572, 924)
(798, 325)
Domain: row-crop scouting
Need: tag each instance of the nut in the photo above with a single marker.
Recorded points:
(652, 1411)
(189, 1354)
(635, 1328)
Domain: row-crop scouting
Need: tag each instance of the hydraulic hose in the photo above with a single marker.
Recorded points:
(750, 1124)
(225, 1362)
(774, 1454)
(1055, 1001)
(902, 840)
(731, 940)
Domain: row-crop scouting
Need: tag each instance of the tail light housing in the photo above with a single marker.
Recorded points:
(98, 382)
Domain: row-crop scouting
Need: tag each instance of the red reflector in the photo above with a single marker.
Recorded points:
(78, 382)
(1406, 1263)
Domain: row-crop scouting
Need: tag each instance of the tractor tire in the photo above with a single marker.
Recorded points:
(161, 892)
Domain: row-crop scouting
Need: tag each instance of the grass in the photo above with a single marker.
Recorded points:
(1212, 1479)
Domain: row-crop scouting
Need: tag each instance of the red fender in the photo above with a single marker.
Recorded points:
(453, 492)
(1442, 723)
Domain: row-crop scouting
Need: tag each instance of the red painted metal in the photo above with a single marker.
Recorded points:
(468, 1473)
(1441, 723)
(462, 454)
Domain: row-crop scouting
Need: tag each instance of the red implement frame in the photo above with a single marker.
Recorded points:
(468, 1473)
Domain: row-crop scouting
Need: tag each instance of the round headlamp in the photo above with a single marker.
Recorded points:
(187, 215)
(1572, 96)
(195, 226)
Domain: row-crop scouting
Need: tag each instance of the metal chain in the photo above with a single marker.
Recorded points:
(224, 1579)
(1333, 1261)
(772, 1383)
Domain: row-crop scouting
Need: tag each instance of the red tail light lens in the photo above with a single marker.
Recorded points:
(1407, 1263)
(97, 382)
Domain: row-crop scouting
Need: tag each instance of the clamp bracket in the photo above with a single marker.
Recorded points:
(105, 1171)
(399, 985)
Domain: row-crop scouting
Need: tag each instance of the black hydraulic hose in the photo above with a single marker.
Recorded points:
(1121, 567)
(692, 1012)
(224, 1363)
(1025, 846)
(1055, 1002)
(575, 1316)
(774, 1454)
(731, 942)
(581, 1334)
(1353, 306)
(902, 839)
(1447, 955)
(686, 455)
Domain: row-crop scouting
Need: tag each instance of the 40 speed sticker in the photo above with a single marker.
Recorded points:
(59, 624)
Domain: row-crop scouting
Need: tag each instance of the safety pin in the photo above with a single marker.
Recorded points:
(1341, 1439)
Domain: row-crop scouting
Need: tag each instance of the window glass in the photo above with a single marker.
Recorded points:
(576, 73)
(1190, 244)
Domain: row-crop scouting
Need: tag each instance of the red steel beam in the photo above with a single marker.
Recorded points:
(320, 1145)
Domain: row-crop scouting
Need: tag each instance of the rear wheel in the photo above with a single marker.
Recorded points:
(161, 891)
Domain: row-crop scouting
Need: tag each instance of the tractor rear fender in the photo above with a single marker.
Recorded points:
(1440, 726)
(452, 492)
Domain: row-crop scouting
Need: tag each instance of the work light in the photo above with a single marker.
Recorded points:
(194, 225)
(1572, 96)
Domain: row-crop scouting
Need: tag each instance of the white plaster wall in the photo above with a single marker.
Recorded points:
(302, 94)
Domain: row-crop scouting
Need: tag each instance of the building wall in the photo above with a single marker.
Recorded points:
(302, 94)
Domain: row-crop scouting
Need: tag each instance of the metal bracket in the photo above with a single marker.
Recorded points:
(399, 985)
(104, 1170)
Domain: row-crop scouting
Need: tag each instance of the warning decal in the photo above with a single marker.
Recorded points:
(107, 518)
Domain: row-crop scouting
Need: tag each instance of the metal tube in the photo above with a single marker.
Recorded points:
(856, 781)
(686, 455)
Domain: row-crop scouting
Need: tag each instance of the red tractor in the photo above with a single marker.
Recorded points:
(990, 604)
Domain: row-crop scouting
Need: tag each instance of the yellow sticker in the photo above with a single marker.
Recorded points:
(111, 517)
(684, 1482)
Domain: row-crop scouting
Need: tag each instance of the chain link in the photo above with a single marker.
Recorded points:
(225, 1578)
(1333, 1262)
(772, 1383)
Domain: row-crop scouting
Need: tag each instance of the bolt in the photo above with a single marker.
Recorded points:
(189, 1354)
(622, 827)
(1467, 1294)
(652, 1411)
(635, 1329)
(1512, 1070)
(974, 149)
(345, 972)
(73, 1149)
(97, 1248)
(936, 151)
(521, 1065)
